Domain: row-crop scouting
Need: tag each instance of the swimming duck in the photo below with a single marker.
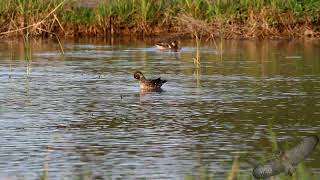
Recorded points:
(168, 46)
(148, 84)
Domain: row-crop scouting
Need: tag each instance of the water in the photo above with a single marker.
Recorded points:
(82, 115)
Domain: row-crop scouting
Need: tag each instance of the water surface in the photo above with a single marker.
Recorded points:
(82, 114)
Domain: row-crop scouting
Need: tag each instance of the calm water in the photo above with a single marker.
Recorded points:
(82, 115)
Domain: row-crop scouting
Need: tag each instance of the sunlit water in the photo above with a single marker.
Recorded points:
(82, 114)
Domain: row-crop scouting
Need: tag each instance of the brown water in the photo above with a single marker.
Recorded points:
(81, 114)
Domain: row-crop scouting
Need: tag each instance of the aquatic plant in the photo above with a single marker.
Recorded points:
(234, 169)
(197, 28)
(31, 16)
(228, 19)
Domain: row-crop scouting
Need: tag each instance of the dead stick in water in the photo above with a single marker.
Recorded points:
(287, 160)
(55, 35)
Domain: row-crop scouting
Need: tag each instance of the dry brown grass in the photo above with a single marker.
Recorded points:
(66, 18)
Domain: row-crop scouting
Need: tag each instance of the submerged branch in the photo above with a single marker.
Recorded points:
(287, 160)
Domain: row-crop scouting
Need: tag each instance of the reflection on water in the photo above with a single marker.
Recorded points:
(82, 114)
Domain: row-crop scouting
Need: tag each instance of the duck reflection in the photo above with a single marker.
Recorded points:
(144, 92)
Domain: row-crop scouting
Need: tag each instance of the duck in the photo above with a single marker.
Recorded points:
(148, 84)
(168, 46)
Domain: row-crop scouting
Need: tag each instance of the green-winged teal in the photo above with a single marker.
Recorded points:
(148, 84)
(168, 46)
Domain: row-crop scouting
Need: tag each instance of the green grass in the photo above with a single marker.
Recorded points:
(254, 17)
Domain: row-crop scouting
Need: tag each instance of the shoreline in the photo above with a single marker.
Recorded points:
(160, 18)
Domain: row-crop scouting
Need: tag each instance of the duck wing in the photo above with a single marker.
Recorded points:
(155, 83)
(159, 81)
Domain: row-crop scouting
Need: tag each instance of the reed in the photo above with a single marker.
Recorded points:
(197, 28)
(27, 54)
(196, 60)
(32, 16)
(233, 174)
(229, 19)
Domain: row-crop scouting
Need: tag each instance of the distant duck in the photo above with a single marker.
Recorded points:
(148, 84)
(168, 46)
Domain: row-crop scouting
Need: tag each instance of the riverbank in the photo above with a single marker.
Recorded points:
(243, 19)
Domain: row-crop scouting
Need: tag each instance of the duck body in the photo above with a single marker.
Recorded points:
(162, 45)
(173, 46)
(148, 84)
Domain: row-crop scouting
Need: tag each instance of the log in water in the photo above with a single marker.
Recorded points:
(291, 158)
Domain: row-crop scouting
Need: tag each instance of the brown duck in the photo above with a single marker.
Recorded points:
(148, 84)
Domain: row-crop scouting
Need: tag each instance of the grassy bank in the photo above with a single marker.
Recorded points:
(211, 18)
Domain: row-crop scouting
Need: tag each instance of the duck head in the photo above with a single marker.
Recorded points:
(174, 43)
(138, 75)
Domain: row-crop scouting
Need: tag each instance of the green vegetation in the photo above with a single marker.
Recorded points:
(227, 18)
